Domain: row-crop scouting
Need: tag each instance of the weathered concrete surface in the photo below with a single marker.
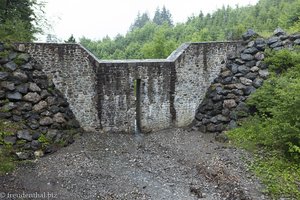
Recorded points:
(101, 93)
(171, 164)
(117, 99)
(69, 67)
(196, 68)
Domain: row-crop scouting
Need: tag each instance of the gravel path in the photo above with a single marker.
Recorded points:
(171, 164)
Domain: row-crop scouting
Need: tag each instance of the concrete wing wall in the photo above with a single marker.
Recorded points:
(69, 67)
(196, 68)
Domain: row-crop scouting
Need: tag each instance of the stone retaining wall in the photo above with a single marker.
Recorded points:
(41, 118)
(71, 70)
(196, 68)
(224, 102)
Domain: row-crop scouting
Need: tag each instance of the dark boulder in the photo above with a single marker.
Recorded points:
(249, 34)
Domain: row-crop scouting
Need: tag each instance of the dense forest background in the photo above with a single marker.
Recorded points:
(21, 20)
(158, 37)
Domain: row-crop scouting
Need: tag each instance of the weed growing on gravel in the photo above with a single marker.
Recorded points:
(7, 163)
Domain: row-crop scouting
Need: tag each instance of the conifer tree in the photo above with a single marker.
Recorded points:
(18, 20)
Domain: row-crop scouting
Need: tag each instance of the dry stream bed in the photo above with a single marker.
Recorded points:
(170, 164)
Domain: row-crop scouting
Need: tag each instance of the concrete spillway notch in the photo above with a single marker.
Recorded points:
(137, 92)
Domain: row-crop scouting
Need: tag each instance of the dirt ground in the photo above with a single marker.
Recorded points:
(172, 164)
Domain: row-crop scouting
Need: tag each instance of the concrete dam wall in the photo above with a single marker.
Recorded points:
(123, 95)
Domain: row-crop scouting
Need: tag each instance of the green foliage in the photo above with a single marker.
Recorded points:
(18, 20)
(140, 21)
(290, 16)
(19, 61)
(245, 135)
(2, 136)
(161, 46)
(273, 132)
(7, 163)
(280, 176)
(7, 128)
(162, 16)
(15, 31)
(158, 37)
(282, 60)
(278, 103)
(44, 140)
(4, 54)
(21, 142)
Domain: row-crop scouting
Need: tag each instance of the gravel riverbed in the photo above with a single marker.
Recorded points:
(169, 164)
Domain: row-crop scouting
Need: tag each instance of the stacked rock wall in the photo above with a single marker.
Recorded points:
(30, 100)
(224, 101)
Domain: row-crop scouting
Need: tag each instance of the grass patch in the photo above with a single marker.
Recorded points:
(19, 61)
(7, 162)
(44, 140)
(4, 54)
(7, 128)
(280, 175)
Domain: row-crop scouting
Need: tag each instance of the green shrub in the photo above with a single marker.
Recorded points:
(251, 134)
(273, 132)
(278, 105)
(282, 60)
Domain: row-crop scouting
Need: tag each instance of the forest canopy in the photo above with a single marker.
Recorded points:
(19, 20)
(158, 37)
